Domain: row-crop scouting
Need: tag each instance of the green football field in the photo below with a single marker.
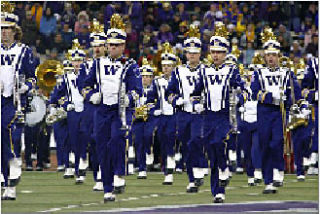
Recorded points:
(48, 191)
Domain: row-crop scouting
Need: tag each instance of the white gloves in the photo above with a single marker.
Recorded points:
(70, 107)
(198, 107)
(157, 112)
(53, 110)
(179, 101)
(241, 109)
(23, 89)
(95, 98)
(126, 100)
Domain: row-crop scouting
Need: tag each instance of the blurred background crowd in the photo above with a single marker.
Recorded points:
(49, 27)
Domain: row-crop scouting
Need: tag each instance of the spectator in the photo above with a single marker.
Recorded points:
(182, 13)
(248, 36)
(179, 36)
(48, 27)
(67, 35)
(166, 13)
(212, 12)
(84, 36)
(29, 29)
(37, 12)
(68, 16)
(165, 34)
(132, 40)
(59, 44)
(176, 23)
(135, 15)
(108, 12)
(296, 49)
(275, 16)
(312, 47)
(282, 31)
(82, 22)
(20, 12)
(248, 54)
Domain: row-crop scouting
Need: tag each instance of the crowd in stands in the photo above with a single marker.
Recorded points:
(49, 27)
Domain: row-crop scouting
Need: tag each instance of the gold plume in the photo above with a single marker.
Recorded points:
(267, 35)
(193, 32)
(7, 7)
(116, 22)
(166, 48)
(235, 51)
(220, 30)
(257, 59)
(145, 61)
(96, 27)
(75, 44)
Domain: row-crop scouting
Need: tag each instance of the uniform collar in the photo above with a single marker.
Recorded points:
(193, 68)
(119, 59)
(219, 67)
(5, 48)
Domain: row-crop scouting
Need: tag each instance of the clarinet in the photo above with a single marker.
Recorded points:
(122, 106)
(17, 97)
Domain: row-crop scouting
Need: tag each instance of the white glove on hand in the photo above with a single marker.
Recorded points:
(23, 89)
(126, 101)
(95, 98)
(179, 101)
(70, 107)
(157, 112)
(53, 110)
(241, 109)
(198, 107)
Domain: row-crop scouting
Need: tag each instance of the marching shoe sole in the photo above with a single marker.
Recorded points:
(118, 190)
(269, 191)
(167, 183)
(106, 200)
(278, 184)
(218, 200)
(142, 177)
(223, 183)
(198, 182)
(68, 176)
(192, 190)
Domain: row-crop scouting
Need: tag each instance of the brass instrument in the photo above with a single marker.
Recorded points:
(47, 74)
(141, 112)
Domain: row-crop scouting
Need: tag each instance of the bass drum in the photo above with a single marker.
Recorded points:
(38, 111)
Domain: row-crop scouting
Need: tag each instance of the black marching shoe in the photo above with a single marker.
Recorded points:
(223, 183)
(270, 189)
(109, 197)
(219, 198)
(118, 190)
(277, 183)
(198, 181)
(191, 188)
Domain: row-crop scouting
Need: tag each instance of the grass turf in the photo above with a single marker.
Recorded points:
(40, 191)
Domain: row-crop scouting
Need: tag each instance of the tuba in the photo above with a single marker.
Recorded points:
(47, 74)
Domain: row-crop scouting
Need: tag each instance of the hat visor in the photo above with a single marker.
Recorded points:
(192, 50)
(7, 24)
(77, 58)
(167, 62)
(271, 51)
(115, 41)
(218, 48)
(146, 74)
(98, 43)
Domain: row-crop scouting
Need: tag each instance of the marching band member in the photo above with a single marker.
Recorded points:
(118, 84)
(180, 86)
(98, 41)
(16, 61)
(217, 80)
(140, 118)
(248, 136)
(74, 106)
(167, 122)
(310, 93)
(271, 87)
